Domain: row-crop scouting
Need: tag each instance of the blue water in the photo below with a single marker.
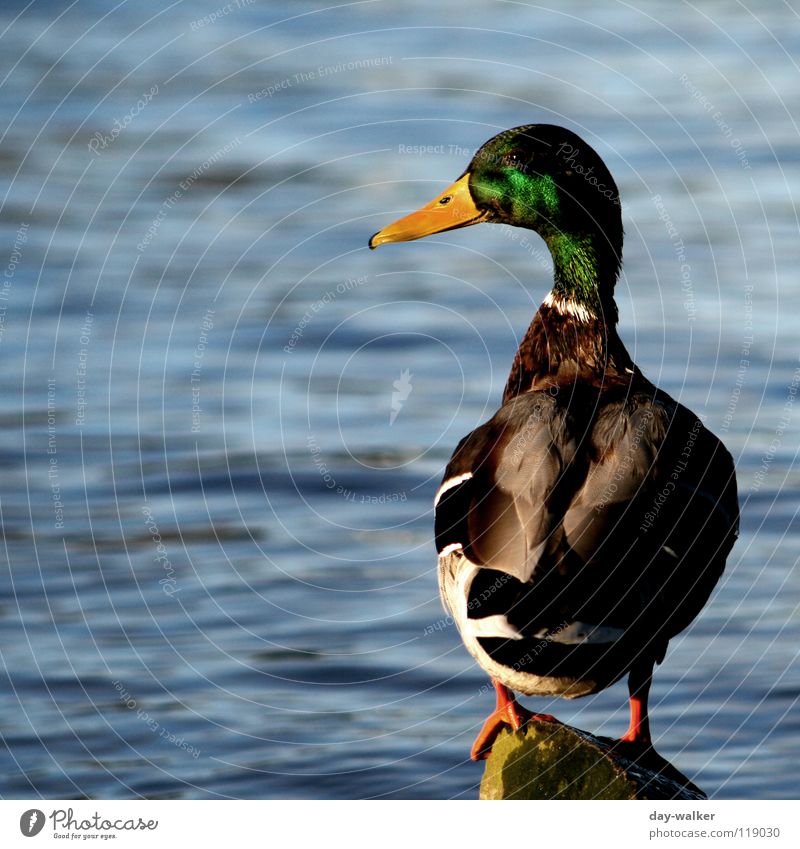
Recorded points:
(218, 574)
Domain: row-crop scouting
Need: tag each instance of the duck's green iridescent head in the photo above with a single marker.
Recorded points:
(544, 178)
(538, 176)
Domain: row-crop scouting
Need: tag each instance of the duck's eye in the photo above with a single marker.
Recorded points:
(445, 200)
(512, 158)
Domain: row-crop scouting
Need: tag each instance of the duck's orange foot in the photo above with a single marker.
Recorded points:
(508, 712)
(637, 737)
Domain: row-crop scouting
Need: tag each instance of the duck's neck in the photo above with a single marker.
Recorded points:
(573, 335)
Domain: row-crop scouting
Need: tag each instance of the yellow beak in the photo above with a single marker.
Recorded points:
(453, 208)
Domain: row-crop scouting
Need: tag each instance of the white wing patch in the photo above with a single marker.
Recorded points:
(492, 626)
(449, 484)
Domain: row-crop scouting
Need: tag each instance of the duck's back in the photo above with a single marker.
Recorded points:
(579, 528)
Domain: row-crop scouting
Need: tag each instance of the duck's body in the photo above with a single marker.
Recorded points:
(588, 521)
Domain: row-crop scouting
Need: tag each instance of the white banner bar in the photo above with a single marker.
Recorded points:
(400, 825)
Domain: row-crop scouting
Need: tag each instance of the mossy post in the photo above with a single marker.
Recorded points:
(548, 760)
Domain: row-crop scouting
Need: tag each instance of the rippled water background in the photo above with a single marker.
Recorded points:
(218, 575)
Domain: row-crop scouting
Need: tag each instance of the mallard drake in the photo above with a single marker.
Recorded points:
(587, 522)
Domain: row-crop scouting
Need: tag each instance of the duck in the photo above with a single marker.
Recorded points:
(587, 522)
